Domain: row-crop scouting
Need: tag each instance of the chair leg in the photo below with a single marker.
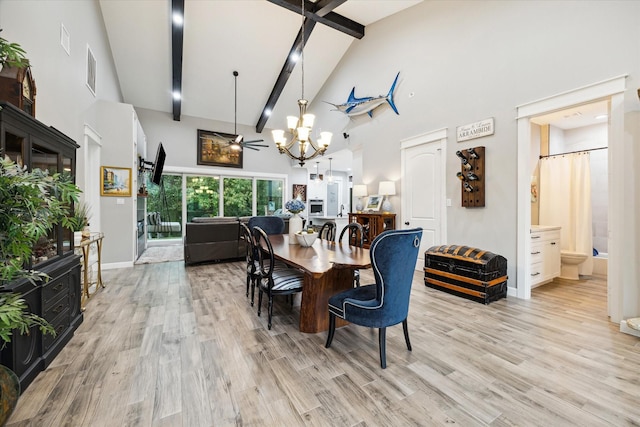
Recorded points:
(332, 329)
(253, 289)
(383, 347)
(406, 334)
(357, 277)
(259, 301)
(270, 311)
(248, 283)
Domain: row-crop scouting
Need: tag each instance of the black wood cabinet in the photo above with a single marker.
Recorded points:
(29, 142)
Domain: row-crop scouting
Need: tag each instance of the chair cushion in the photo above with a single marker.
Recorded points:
(152, 218)
(285, 280)
(358, 304)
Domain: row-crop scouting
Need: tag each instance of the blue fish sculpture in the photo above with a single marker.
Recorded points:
(356, 106)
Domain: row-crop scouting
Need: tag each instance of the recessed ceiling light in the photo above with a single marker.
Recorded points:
(601, 116)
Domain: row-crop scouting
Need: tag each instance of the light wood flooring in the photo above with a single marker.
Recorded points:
(165, 345)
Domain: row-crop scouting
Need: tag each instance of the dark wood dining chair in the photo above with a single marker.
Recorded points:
(273, 281)
(253, 267)
(328, 231)
(355, 237)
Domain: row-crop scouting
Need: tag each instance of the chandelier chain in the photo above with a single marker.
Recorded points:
(302, 48)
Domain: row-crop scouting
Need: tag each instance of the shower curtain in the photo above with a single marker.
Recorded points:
(565, 200)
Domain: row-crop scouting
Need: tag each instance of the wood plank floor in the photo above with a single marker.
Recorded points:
(165, 345)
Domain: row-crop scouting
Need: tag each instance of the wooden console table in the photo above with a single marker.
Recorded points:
(85, 247)
(373, 224)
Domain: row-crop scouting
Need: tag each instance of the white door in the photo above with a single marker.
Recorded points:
(423, 194)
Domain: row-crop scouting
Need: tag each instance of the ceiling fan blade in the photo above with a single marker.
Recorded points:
(255, 145)
(222, 137)
(252, 148)
(254, 140)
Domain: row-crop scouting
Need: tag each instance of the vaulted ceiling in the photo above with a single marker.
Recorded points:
(253, 37)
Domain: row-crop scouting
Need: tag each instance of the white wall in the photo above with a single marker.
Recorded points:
(62, 98)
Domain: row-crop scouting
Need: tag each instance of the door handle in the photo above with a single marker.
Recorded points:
(406, 223)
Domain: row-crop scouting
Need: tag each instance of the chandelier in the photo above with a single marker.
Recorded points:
(299, 128)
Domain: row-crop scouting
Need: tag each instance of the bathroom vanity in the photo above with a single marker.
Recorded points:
(545, 254)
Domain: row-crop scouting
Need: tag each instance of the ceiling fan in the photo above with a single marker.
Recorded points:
(238, 142)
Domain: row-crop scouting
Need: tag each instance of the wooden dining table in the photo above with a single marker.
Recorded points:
(328, 268)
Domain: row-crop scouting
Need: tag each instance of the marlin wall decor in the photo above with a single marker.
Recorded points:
(356, 106)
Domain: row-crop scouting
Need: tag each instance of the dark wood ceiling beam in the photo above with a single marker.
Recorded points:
(322, 12)
(285, 73)
(177, 36)
(314, 12)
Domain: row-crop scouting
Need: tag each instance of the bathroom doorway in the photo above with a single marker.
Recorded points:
(612, 92)
(569, 143)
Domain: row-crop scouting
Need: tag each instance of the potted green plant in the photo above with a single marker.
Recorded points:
(12, 55)
(31, 203)
(80, 221)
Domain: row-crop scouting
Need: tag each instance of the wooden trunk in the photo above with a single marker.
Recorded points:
(471, 273)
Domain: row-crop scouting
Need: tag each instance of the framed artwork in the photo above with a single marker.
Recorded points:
(300, 190)
(373, 203)
(115, 181)
(214, 150)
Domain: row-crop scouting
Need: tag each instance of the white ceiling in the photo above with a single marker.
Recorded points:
(220, 36)
(576, 117)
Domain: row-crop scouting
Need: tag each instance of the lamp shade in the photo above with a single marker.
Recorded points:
(387, 188)
(359, 190)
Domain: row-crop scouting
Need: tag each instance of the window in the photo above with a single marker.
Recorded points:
(238, 196)
(165, 200)
(269, 196)
(202, 196)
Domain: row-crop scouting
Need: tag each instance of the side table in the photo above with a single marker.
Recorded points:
(94, 238)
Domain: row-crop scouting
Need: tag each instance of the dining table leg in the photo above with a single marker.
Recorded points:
(316, 291)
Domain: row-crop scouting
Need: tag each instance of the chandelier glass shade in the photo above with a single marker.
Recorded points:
(299, 144)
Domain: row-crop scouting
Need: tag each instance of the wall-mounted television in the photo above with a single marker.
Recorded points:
(158, 165)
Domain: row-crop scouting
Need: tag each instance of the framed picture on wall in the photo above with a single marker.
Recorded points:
(115, 181)
(300, 190)
(373, 203)
(214, 150)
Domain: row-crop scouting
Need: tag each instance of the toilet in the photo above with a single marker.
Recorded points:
(570, 261)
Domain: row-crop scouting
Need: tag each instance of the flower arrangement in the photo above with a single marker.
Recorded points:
(294, 206)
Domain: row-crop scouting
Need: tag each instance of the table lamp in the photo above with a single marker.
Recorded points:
(387, 188)
(359, 191)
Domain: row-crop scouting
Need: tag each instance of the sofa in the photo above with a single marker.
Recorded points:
(215, 239)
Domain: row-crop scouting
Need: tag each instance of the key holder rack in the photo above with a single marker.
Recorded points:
(471, 176)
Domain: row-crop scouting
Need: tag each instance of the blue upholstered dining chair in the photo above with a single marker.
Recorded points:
(273, 280)
(386, 302)
(269, 224)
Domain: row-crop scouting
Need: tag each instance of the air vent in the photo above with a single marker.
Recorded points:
(65, 39)
(92, 68)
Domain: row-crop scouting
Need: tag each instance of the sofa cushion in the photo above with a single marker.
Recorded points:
(215, 220)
